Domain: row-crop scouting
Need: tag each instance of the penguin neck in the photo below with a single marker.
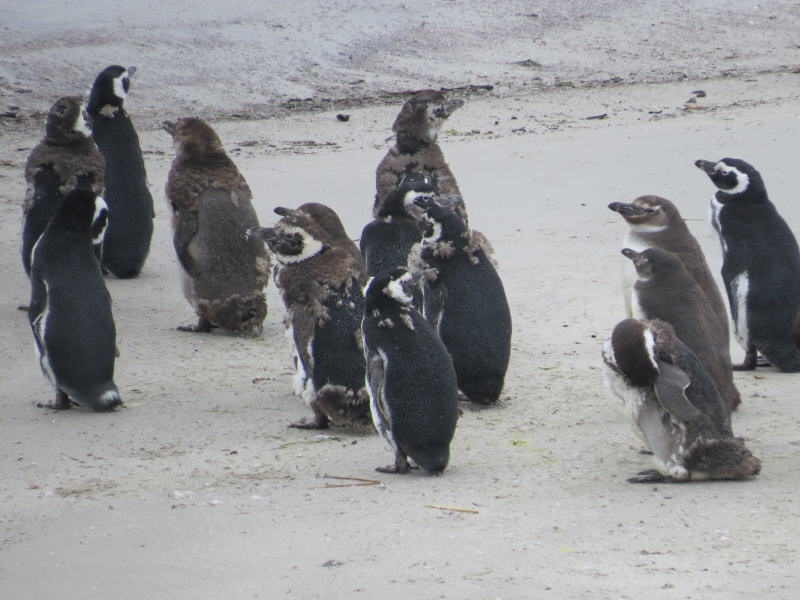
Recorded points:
(410, 144)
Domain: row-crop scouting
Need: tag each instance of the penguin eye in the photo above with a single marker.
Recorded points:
(649, 211)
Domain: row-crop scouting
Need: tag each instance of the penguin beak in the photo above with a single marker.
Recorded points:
(265, 234)
(626, 210)
(631, 254)
(282, 211)
(453, 105)
(169, 127)
(131, 71)
(706, 166)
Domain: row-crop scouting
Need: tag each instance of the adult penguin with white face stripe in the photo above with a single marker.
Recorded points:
(130, 205)
(760, 264)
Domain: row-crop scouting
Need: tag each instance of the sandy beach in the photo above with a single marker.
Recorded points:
(197, 489)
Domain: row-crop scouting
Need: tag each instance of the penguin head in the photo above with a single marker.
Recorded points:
(83, 210)
(656, 262)
(423, 115)
(389, 288)
(110, 88)
(293, 239)
(194, 139)
(66, 121)
(401, 199)
(648, 213)
(734, 178)
(631, 351)
(322, 215)
(438, 219)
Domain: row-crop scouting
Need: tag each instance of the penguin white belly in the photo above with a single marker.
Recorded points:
(40, 324)
(379, 409)
(637, 312)
(715, 210)
(740, 288)
(632, 398)
(629, 276)
(666, 437)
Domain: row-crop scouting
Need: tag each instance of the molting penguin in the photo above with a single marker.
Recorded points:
(674, 405)
(386, 241)
(760, 264)
(329, 221)
(412, 382)
(656, 222)
(130, 204)
(320, 283)
(666, 291)
(65, 159)
(70, 309)
(464, 300)
(417, 127)
(224, 272)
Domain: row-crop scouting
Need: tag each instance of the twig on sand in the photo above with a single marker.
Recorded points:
(359, 482)
(460, 88)
(464, 510)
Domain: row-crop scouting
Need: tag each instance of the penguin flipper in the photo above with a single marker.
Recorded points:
(376, 372)
(670, 390)
(185, 230)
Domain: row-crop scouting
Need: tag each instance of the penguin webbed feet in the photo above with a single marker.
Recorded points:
(400, 466)
(320, 421)
(749, 363)
(650, 476)
(203, 326)
(61, 401)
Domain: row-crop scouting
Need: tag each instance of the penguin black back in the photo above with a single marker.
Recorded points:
(127, 241)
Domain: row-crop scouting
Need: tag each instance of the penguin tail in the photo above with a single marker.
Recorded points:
(722, 459)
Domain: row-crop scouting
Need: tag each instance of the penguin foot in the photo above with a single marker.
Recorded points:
(60, 402)
(749, 363)
(316, 423)
(203, 326)
(646, 452)
(649, 476)
(763, 361)
(400, 466)
(25, 308)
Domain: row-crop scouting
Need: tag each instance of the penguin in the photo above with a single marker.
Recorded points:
(223, 272)
(70, 308)
(666, 291)
(673, 404)
(416, 127)
(656, 222)
(130, 205)
(760, 265)
(386, 241)
(464, 300)
(65, 159)
(320, 282)
(329, 221)
(410, 376)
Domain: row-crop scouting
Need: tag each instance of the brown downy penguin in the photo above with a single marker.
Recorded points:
(656, 222)
(224, 273)
(415, 149)
(329, 221)
(666, 291)
(66, 157)
(320, 282)
(674, 405)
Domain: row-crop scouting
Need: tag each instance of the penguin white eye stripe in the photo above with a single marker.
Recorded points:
(119, 86)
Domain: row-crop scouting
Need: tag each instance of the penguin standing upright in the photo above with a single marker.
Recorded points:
(416, 127)
(66, 158)
(464, 301)
(224, 272)
(320, 282)
(656, 222)
(130, 205)
(386, 241)
(673, 404)
(760, 264)
(412, 382)
(70, 309)
(666, 291)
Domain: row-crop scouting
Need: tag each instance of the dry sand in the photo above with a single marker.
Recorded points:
(198, 490)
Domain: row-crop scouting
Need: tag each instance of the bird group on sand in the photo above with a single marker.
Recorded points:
(389, 335)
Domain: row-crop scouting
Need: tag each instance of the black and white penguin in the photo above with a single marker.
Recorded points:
(386, 241)
(415, 149)
(656, 222)
(320, 282)
(666, 291)
(412, 383)
(130, 204)
(65, 159)
(673, 404)
(329, 221)
(70, 309)
(760, 264)
(224, 272)
(464, 300)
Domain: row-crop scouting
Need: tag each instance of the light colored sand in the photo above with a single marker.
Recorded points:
(198, 489)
